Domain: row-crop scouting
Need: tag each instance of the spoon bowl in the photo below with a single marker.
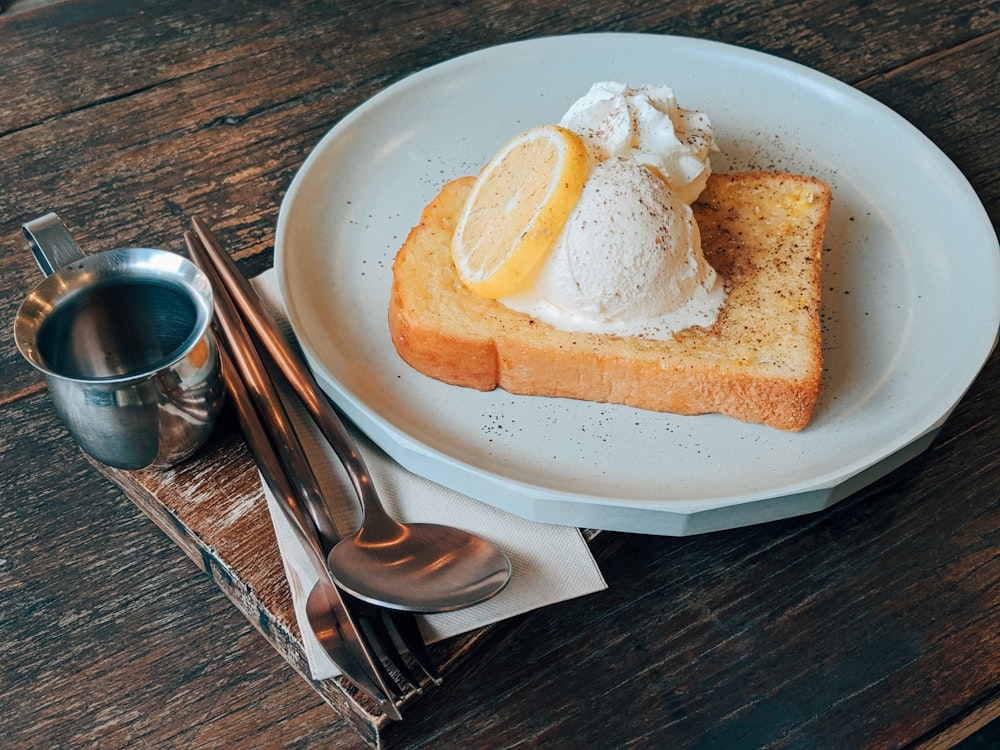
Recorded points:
(424, 568)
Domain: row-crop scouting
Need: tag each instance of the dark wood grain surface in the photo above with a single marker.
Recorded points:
(873, 624)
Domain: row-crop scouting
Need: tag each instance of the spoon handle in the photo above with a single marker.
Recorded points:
(298, 375)
(265, 397)
(291, 466)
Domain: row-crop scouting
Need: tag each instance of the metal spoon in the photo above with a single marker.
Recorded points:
(418, 567)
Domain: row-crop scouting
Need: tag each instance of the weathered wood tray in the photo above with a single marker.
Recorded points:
(213, 508)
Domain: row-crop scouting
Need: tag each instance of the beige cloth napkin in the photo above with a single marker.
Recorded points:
(550, 563)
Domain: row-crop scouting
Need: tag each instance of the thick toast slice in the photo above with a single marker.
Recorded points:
(760, 362)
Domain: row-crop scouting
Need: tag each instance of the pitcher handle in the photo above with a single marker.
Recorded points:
(50, 243)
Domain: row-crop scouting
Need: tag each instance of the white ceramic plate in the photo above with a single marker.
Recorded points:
(911, 282)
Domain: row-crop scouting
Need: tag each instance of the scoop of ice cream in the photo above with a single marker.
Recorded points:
(627, 262)
(647, 125)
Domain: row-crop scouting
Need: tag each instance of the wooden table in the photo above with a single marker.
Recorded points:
(873, 624)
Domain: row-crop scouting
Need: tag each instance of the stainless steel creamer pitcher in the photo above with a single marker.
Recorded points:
(123, 338)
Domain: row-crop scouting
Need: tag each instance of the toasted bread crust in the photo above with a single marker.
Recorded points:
(760, 362)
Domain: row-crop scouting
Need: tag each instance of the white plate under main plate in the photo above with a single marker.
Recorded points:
(911, 281)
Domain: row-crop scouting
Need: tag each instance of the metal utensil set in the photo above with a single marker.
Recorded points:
(358, 636)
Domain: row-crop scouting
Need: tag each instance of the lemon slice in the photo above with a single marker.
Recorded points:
(517, 209)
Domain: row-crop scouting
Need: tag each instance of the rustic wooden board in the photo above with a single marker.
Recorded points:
(212, 506)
